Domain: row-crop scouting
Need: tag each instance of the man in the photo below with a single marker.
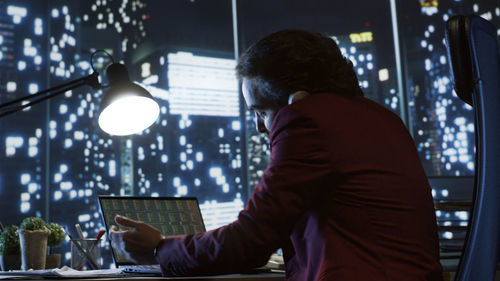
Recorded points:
(344, 194)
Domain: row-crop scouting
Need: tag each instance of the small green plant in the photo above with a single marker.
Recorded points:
(9, 241)
(33, 223)
(56, 236)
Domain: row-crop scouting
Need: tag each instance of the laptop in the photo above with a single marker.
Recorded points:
(171, 215)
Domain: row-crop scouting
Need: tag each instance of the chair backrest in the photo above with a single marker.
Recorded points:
(475, 62)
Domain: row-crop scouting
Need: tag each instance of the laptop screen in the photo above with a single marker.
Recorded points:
(171, 215)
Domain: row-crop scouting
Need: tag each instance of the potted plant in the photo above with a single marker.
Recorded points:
(56, 237)
(10, 258)
(33, 235)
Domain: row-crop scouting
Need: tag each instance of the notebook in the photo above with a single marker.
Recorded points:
(171, 215)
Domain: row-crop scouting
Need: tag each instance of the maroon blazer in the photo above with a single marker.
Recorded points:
(344, 196)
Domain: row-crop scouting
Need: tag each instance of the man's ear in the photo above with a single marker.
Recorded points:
(297, 96)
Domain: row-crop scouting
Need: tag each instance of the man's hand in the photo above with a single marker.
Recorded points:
(138, 242)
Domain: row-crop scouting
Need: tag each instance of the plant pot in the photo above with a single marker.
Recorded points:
(33, 248)
(53, 261)
(10, 262)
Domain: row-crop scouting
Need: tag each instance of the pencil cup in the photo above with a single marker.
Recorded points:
(85, 254)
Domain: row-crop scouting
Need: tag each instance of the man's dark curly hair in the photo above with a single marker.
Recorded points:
(295, 60)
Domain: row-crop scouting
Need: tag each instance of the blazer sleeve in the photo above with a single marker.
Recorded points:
(298, 169)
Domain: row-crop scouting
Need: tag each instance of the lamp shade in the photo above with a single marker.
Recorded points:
(126, 108)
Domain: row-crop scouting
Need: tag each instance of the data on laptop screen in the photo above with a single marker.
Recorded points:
(171, 215)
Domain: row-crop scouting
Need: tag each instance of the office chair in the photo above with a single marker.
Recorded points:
(475, 63)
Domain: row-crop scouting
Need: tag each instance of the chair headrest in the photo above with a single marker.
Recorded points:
(459, 55)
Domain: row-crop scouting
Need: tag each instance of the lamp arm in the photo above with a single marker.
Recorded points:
(91, 80)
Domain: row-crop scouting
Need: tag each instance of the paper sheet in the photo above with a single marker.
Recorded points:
(64, 272)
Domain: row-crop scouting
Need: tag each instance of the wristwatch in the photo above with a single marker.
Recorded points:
(155, 251)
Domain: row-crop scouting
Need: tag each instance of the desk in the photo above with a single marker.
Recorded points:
(236, 277)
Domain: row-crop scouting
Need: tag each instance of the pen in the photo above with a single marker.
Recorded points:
(98, 237)
(79, 247)
(79, 231)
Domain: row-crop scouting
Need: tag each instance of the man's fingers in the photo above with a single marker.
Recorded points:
(137, 242)
(126, 222)
(113, 231)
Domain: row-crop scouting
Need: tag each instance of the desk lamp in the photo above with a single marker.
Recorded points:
(126, 108)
